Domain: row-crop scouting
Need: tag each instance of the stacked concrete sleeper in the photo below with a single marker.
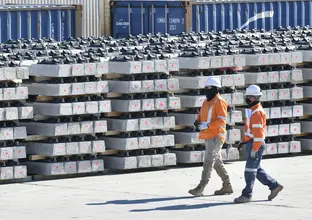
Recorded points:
(13, 110)
(69, 103)
(143, 93)
(123, 108)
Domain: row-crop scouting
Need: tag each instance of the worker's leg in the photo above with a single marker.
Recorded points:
(251, 168)
(267, 180)
(223, 174)
(213, 146)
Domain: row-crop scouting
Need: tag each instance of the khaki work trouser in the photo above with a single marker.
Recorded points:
(213, 159)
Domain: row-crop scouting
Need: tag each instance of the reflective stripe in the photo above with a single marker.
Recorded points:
(257, 126)
(222, 135)
(209, 115)
(250, 135)
(260, 109)
(258, 139)
(210, 111)
(248, 116)
(221, 117)
(250, 170)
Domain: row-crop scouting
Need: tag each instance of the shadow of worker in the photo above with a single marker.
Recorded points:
(184, 207)
(141, 201)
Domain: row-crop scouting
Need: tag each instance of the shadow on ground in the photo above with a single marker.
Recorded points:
(141, 201)
(188, 207)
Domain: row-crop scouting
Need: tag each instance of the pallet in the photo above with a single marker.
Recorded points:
(42, 157)
(139, 170)
(23, 180)
(66, 176)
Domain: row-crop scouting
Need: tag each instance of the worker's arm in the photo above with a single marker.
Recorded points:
(258, 131)
(198, 118)
(245, 137)
(221, 111)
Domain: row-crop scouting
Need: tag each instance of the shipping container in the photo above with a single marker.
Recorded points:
(267, 15)
(173, 17)
(57, 22)
(93, 13)
(143, 17)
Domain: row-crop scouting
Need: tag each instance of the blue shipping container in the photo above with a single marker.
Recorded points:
(143, 17)
(260, 15)
(39, 21)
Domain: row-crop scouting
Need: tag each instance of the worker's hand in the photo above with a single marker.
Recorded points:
(203, 126)
(196, 125)
(254, 154)
(240, 145)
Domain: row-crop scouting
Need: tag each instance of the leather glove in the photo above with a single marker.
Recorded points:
(196, 125)
(240, 145)
(253, 154)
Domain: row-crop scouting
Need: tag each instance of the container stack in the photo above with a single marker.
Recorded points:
(67, 96)
(13, 111)
(142, 89)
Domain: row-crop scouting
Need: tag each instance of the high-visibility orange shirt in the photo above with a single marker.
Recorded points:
(255, 125)
(214, 112)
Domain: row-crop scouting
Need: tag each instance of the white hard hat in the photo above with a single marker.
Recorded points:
(213, 81)
(253, 90)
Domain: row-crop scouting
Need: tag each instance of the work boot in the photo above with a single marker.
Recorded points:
(198, 191)
(275, 191)
(226, 189)
(242, 199)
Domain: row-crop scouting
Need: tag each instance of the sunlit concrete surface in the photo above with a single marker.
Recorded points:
(161, 195)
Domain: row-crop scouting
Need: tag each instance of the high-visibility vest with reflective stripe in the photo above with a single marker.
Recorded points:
(213, 117)
(256, 123)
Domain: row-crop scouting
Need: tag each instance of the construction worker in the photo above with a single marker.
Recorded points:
(211, 122)
(254, 137)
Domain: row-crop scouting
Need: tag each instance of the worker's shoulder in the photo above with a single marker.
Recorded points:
(260, 113)
(221, 101)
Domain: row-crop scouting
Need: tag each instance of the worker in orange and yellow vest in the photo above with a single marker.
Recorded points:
(254, 138)
(211, 122)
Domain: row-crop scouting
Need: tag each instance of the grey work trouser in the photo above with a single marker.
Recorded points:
(212, 160)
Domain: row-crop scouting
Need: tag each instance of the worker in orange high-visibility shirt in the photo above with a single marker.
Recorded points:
(254, 138)
(211, 122)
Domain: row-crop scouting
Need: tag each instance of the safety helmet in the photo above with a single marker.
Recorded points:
(253, 90)
(213, 81)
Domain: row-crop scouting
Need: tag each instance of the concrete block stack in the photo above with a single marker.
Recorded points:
(192, 77)
(306, 120)
(142, 90)
(281, 94)
(13, 110)
(273, 69)
(131, 103)
(68, 105)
